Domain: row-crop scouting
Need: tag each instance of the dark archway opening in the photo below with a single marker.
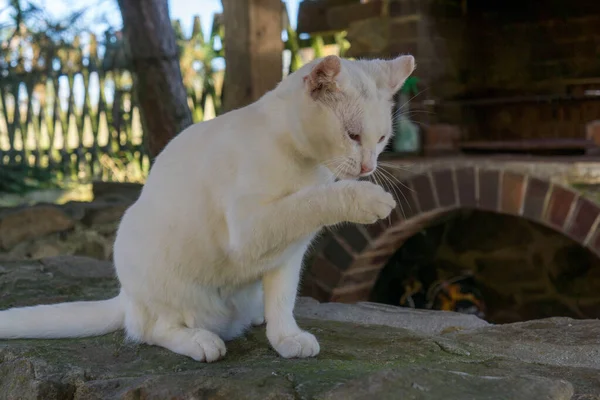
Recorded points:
(502, 268)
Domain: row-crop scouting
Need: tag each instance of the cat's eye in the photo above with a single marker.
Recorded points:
(381, 139)
(354, 137)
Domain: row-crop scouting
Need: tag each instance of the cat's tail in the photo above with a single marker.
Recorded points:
(64, 320)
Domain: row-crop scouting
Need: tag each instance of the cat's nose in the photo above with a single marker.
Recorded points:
(365, 169)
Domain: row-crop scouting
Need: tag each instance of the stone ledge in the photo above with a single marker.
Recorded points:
(379, 352)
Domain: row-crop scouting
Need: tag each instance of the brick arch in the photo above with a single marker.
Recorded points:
(347, 261)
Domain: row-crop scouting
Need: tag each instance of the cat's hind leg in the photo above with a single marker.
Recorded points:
(248, 310)
(199, 344)
(256, 304)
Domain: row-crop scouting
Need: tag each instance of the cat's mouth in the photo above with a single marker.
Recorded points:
(348, 177)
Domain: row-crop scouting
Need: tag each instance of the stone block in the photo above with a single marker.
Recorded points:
(465, 182)
(559, 206)
(30, 223)
(535, 198)
(489, 182)
(586, 213)
(513, 191)
(444, 184)
(424, 192)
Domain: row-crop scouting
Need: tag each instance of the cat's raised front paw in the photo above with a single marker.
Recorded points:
(369, 202)
(299, 345)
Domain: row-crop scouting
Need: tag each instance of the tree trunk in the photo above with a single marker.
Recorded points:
(158, 81)
(253, 50)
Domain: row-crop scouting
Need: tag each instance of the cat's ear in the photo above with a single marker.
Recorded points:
(322, 77)
(396, 71)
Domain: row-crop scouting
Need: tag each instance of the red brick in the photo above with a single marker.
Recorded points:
(422, 186)
(353, 236)
(393, 219)
(513, 188)
(362, 262)
(465, 182)
(585, 215)
(375, 229)
(373, 258)
(535, 198)
(337, 254)
(406, 203)
(444, 186)
(309, 287)
(325, 272)
(489, 181)
(559, 206)
(360, 294)
(594, 245)
(360, 277)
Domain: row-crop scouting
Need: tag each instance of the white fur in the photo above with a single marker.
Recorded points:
(230, 207)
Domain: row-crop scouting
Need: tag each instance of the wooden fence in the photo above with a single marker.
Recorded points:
(70, 107)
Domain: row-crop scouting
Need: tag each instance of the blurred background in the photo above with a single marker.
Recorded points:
(494, 163)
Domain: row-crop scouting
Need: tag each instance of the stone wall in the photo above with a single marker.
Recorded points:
(75, 228)
(521, 270)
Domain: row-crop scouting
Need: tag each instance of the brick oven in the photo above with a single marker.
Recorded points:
(509, 95)
(347, 263)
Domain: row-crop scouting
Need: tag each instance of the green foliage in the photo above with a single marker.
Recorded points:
(67, 106)
(21, 179)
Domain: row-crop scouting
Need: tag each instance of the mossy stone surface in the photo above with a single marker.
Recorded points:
(548, 359)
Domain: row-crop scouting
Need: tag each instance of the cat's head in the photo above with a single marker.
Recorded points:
(346, 110)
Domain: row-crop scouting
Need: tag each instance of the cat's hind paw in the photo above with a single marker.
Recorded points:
(299, 345)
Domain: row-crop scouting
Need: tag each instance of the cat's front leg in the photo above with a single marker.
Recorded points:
(258, 230)
(280, 287)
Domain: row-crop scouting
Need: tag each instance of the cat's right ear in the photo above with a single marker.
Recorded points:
(322, 78)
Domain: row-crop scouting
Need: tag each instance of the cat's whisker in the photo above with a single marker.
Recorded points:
(334, 165)
(400, 113)
(337, 171)
(379, 183)
(395, 165)
(346, 167)
(375, 174)
(399, 189)
(332, 162)
(397, 180)
(395, 189)
(412, 98)
(343, 168)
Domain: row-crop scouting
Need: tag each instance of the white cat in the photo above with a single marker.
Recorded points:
(229, 209)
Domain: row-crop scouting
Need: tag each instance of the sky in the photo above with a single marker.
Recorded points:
(98, 10)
